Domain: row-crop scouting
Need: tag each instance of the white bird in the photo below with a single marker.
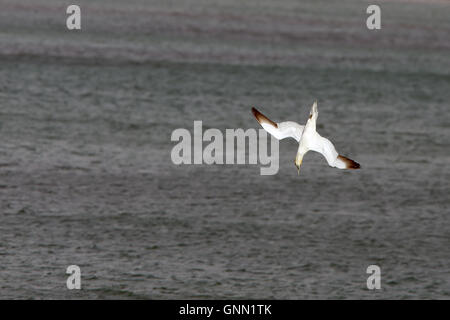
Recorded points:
(308, 139)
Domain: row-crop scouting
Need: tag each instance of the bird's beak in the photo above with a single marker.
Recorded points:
(298, 164)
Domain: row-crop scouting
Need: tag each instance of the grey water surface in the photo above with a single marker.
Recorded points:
(86, 176)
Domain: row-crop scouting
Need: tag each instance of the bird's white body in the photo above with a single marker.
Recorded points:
(308, 139)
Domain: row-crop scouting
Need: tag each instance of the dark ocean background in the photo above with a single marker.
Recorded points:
(86, 176)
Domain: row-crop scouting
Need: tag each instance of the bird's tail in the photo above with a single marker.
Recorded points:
(313, 114)
(346, 163)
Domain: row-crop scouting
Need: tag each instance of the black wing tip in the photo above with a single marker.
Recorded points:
(256, 114)
(355, 165)
(262, 118)
(349, 163)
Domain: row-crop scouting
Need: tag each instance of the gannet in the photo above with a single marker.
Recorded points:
(308, 139)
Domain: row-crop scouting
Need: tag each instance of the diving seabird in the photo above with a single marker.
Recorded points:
(308, 139)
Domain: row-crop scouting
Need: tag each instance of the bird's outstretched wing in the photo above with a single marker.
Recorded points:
(334, 159)
(287, 129)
